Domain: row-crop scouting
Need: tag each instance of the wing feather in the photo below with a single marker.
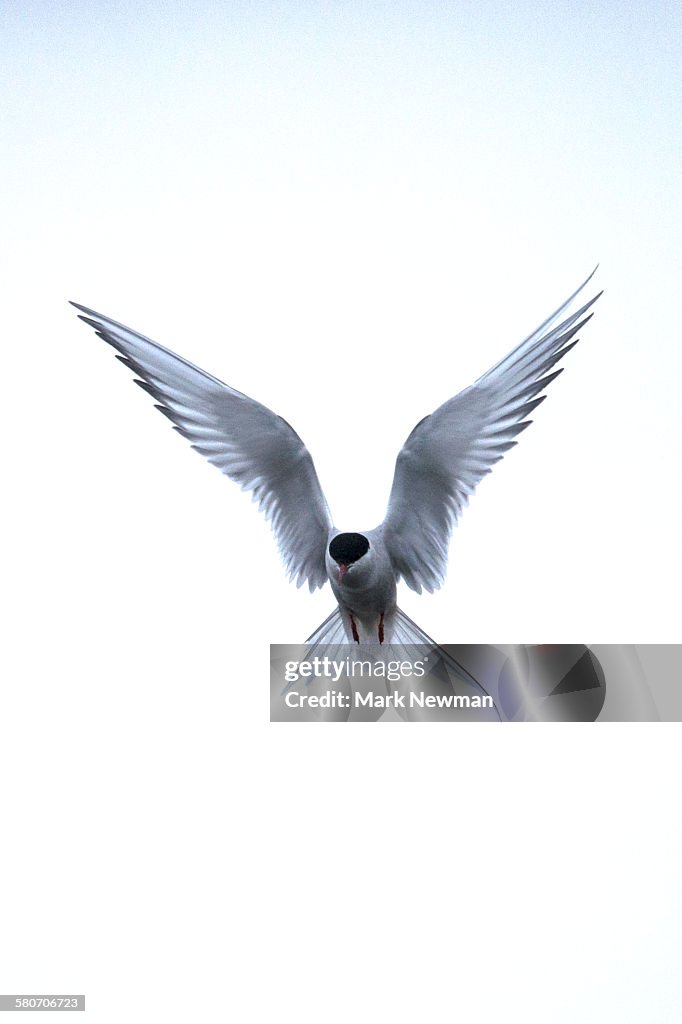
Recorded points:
(247, 441)
(450, 451)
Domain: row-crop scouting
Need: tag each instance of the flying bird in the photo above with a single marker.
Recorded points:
(436, 471)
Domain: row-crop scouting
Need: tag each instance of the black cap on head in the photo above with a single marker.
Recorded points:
(346, 548)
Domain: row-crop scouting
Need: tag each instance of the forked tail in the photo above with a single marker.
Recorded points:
(333, 638)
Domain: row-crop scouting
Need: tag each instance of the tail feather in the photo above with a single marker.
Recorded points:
(331, 631)
(408, 632)
(331, 639)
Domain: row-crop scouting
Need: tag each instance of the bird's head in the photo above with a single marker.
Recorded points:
(348, 553)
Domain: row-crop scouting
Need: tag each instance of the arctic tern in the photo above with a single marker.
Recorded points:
(436, 472)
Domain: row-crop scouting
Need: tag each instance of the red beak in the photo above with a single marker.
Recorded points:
(343, 569)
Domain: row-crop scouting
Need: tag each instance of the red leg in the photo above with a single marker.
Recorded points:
(381, 629)
(354, 628)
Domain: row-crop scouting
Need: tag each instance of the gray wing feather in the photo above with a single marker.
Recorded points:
(450, 451)
(245, 440)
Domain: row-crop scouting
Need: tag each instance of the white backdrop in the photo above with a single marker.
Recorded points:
(348, 212)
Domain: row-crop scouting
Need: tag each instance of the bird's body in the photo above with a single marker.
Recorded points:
(442, 461)
(366, 590)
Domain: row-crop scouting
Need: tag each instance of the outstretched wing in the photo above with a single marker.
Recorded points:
(245, 440)
(448, 453)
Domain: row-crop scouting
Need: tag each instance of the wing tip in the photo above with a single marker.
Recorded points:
(83, 309)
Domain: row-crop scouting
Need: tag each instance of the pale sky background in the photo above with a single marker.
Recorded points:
(348, 211)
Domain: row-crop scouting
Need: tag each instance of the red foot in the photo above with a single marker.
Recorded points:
(354, 628)
(381, 629)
